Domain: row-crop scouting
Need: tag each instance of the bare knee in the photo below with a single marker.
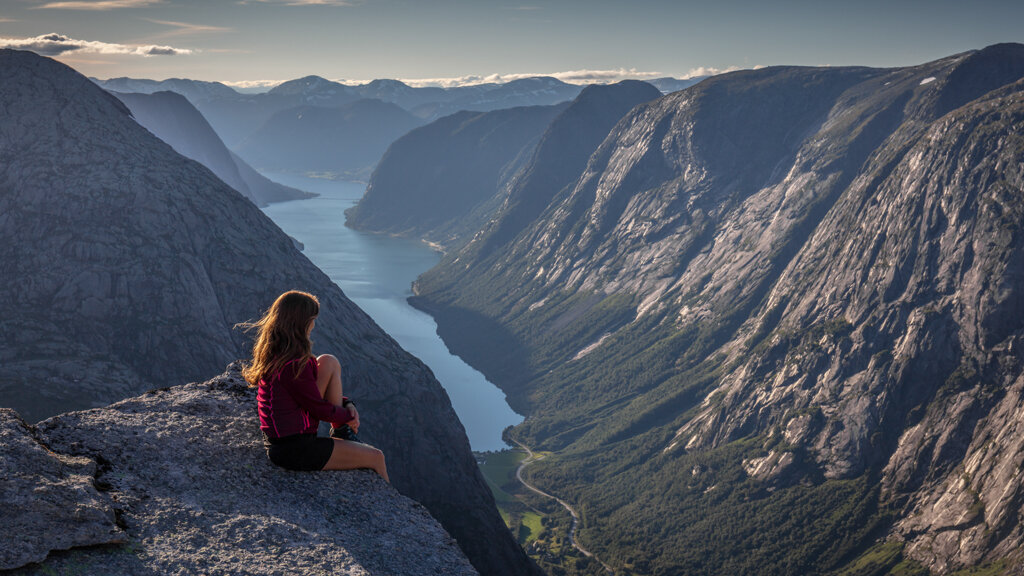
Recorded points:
(328, 362)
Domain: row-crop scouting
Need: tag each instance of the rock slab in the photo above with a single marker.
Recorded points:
(47, 500)
(186, 471)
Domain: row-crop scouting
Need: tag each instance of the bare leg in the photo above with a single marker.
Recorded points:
(353, 455)
(328, 381)
(328, 378)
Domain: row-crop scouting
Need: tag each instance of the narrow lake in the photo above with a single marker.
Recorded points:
(376, 272)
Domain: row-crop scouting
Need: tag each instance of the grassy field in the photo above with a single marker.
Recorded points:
(539, 524)
(499, 470)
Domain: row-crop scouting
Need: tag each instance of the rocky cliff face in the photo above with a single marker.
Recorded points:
(443, 193)
(562, 153)
(177, 482)
(170, 117)
(132, 265)
(814, 273)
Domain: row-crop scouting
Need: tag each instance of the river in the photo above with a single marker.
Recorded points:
(376, 272)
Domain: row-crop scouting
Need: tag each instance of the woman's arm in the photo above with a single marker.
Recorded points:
(303, 388)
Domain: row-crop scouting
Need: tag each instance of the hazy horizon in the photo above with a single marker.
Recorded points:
(247, 43)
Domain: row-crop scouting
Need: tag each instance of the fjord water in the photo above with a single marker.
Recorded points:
(376, 272)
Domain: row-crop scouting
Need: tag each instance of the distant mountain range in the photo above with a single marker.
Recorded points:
(127, 266)
(285, 128)
(345, 141)
(773, 322)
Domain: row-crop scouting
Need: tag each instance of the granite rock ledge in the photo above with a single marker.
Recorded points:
(183, 471)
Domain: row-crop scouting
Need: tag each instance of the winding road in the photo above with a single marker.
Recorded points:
(531, 458)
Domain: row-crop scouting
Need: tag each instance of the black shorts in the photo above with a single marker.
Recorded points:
(304, 452)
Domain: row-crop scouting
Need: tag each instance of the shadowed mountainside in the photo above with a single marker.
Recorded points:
(170, 117)
(442, 193)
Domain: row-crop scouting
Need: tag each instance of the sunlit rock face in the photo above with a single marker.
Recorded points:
(127, 266)
(826, 259)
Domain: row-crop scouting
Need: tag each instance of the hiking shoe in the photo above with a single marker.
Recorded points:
(345, 433)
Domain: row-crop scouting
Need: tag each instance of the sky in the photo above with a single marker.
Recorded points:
(452, 42)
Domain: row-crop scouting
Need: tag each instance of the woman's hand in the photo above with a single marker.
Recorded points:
(354, 423)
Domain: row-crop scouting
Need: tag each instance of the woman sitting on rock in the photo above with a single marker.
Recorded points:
(298, 390)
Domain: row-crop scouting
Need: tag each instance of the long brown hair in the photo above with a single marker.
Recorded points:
(282, 336)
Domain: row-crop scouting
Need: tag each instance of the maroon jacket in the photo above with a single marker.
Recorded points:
(291, 404)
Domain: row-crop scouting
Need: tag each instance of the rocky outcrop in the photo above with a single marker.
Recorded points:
(811, 275)
(170, 117)
(443, 181)
(47, 500)
(128, 266)
(185, 473)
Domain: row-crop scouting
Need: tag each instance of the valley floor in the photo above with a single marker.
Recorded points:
(545, 525)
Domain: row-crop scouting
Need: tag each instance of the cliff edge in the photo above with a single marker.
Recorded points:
(175, 481)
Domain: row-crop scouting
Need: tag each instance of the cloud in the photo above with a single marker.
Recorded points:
(570, 76)
(57, 44)
(304, 2)
(99, 4)
(185, 28)
(712, 71)
(253, 85)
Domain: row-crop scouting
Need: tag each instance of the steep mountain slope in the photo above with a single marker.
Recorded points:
(446, 181)
(562, 153)
(775, 317)
(442, 181)
(174, 120)
(126, 265)
(348, 140)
